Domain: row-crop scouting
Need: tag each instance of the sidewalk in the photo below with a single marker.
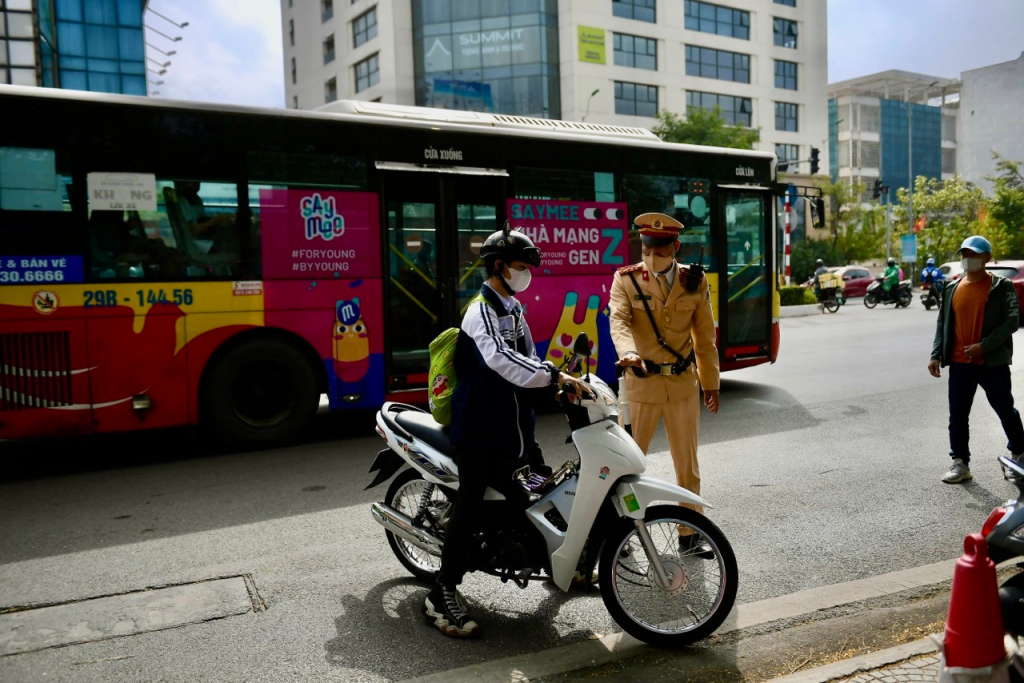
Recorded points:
(915, 661)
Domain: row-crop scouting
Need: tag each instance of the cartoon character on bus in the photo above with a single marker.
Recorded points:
(351, 342)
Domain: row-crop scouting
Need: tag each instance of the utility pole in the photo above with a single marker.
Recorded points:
(888, 213)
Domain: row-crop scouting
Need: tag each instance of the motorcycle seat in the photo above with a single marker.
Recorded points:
(425, 428)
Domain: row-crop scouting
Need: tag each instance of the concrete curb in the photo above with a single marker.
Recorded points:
(856, 665)
(619, 646)
(798, 311)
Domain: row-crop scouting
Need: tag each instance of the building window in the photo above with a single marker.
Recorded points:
(295, 101)
(291, 32)
(331, 90)
(294, 75)
(722, 21)
(785, 116)
(635, 99)
(725, 66)
(364, 27)
(367, 72)
(635, 51)
(787, 153)
(290, 3)
(737, 111)
(329, 49)
(326, 10)
(785, 74)
(785, 32)
(788, 3)
(641, 10)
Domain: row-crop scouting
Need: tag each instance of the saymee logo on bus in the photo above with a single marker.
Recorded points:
(321, 218)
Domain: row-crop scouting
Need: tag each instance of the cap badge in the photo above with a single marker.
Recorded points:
(656, 224)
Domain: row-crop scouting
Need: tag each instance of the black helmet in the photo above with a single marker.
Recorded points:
(819, 262)
(891, 261)
(509, 245)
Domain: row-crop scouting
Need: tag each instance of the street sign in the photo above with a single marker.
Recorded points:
(909, 249)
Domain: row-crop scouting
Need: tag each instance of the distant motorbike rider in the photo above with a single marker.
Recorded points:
(492, 418)
(821, 270)
(930, 274)
(892, 278)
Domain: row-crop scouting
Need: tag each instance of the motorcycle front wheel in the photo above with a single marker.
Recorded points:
(405, 495)
(870, 299)
(700, 592)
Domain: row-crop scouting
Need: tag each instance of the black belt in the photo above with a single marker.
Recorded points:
(651, 368)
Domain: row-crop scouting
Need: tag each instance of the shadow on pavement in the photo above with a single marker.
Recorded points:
(369, 630)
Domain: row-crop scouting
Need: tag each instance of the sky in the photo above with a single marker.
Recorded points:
(231, 51)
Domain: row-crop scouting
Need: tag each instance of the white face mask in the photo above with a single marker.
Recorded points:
(657, 264)
(519, 280)
(971, 265)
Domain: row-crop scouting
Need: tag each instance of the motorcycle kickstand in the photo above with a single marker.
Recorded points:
(652, 555)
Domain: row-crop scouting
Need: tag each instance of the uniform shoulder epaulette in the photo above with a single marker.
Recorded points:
(630, 269)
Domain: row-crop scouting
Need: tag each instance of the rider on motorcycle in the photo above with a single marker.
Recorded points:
(930, 274)
(821, 270)
(892, 278)
(492, 418)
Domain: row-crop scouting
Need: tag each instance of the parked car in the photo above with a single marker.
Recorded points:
(951, 269)
(1012, 271)
(855, 280)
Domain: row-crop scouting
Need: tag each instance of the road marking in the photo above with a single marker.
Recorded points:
(127, 614)
(620, 646)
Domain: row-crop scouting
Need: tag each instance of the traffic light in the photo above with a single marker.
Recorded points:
(876, 192)
(814, 160)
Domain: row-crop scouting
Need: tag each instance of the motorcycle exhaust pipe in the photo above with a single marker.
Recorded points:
(401, 525)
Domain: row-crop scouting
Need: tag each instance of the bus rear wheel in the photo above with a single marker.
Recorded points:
(261, 394)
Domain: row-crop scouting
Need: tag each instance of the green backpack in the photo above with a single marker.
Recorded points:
(442, 373)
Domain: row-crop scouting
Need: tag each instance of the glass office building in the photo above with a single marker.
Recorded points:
(880, 125)
(95, 45)
(495, 56)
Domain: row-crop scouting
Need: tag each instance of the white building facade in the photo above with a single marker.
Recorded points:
(992, 99)
(617, 62)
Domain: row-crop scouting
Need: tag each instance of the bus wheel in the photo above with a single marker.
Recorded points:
(261, 394)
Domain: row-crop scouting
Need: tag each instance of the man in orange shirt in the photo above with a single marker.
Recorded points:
(973, 336)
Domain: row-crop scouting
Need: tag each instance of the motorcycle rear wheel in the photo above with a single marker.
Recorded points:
(831, 304)
(404, 496)
(870, 299)
(702, 594)
(904, 300)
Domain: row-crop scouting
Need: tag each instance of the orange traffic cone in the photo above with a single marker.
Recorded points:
(974, 625)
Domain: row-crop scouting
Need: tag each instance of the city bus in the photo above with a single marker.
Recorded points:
(168, 263)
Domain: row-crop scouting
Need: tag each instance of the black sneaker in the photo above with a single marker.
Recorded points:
(445, 609)
(694, 544)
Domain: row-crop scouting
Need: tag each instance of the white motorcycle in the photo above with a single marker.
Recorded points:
(667, 574)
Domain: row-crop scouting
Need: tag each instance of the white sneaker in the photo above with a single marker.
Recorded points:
(958, 472)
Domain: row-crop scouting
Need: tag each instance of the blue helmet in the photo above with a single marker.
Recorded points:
(930, 262)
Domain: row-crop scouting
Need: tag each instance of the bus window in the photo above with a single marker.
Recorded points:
(686, 199)
(564, 185)
(293, 171)
(35, 205)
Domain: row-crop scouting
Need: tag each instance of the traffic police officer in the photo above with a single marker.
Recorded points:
(661, 381)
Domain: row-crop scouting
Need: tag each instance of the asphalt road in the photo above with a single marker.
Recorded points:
(823, 468)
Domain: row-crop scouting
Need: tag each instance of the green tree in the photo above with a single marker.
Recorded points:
(952, 211)
(1007, 206)
(704, 127)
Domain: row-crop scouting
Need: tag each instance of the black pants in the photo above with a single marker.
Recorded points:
(964, 380)
(478, 469)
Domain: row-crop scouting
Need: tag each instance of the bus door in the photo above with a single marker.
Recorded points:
(745, 299)
(435, 224)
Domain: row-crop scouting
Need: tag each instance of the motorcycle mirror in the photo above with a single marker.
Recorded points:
(582, 350)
